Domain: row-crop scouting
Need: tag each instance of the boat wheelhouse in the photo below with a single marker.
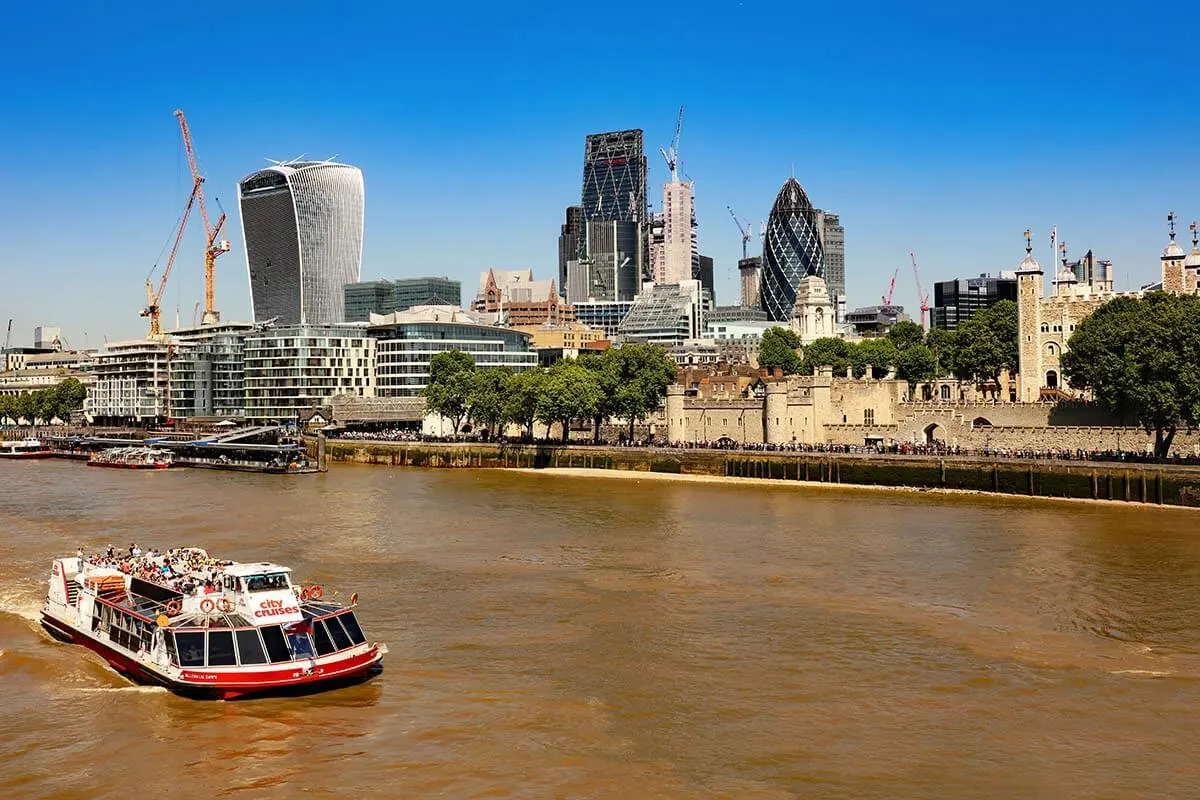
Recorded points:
(208, 628)
(25, 448)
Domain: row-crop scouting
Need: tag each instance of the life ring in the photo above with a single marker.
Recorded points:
(173, 607)
(315, 592)
(354, 599)
(225, 605)
(206, 606)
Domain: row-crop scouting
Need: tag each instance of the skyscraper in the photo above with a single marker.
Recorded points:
(302, 223)
(680, 255)
(570, 240)
(833, 244)
(614, 213)
(791, 250)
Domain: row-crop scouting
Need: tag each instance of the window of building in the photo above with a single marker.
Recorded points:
(868, 416)
(945, 392)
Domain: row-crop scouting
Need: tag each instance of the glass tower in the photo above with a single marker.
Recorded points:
(792, 250)
(614, 213)
(303, 227)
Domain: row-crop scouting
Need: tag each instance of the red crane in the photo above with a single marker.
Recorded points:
(921, 294)
(887, 298)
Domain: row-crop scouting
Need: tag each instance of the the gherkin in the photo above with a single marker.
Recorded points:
(792, 250)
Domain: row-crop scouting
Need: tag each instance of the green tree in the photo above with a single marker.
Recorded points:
(70, 395)
(570, 391)
(608, 377)
(7, 407)
(1141, 358)
(778, 349)
(916, 364)
(451, 376)
(987, 343)
(25, 407)
(521, 403)
(487, 396)
(641, 374)
(879, 354)
(906, 334)
(829, 352)
(943, 344)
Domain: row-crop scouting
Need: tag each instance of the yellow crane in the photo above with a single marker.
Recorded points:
(213, 247)
(154, 295)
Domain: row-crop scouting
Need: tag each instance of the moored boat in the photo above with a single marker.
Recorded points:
(25, 448)
(132, 458)
(208, 628)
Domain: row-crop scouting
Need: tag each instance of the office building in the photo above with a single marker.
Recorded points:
(666, 314)
(737, 314)
(132, 381)
(384, 297)
(613, 202)
(1096, 273)
(407, 341)
(750, 280)
(833, 247)
(704, 274)
(603, 314)
(874, 321)
(47, 338)
(295, 368)
(515, 298)
(570, 244)
(679, 256)
(791, 250)
(955, 301)
(302, 225)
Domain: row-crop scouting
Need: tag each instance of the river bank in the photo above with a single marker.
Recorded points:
(1154, 484)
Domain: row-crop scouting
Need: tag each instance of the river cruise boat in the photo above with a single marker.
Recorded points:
(132, 458)
(208, 628)
(25, 448)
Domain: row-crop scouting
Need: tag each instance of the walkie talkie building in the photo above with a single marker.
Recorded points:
(302, 223)
(791, 250)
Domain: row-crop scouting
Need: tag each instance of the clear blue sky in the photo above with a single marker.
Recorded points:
(946, 129)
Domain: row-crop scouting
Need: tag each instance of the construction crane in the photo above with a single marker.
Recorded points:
(921, 294)
(8, 336)
(212, 246)
(746, 234)
(887, 298)
(671, 154)
(154, 295)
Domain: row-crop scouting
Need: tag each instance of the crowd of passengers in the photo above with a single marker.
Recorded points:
(184, 570)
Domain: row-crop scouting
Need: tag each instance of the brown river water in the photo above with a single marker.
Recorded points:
(590, 637)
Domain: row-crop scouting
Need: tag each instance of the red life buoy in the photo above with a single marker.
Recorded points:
(207, 605)
(173, 607)
(315, 592)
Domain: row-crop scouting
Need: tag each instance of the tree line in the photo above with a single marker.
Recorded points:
(981, 348)
(628, 383)
(44, 405)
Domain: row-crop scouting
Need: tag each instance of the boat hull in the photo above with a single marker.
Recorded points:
(31, 454)
(128, 466)
(205, 684)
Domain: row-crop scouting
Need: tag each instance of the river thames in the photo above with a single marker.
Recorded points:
(593, 637)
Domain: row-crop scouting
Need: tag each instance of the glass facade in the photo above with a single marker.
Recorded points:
(791, 250)
(132, 381)
(614, 213)
(405, 349)
(666, 314)
(955, 301)
(603, 314)
(303, 228)
(833, 245)
(385, 297)
(207, 377)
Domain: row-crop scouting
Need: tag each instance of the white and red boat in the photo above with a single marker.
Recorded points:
(132, 458)
(25, 448)
(208, 628)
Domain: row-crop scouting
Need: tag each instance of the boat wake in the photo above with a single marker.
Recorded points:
(21, 606)
(1143, 673)
(133, 689)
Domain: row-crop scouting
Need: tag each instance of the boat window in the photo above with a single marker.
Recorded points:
(191, 649)
(277, 647)
(338, 633)
(267, 583)
(352, 628)
(220, 649)
(302, 646)
(250, 649)
(169, 639)
(321, 635)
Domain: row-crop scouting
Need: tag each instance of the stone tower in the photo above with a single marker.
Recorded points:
(676, 416)
(1029, 322)
(1191, 265)
(1172, 262)
(775, 409)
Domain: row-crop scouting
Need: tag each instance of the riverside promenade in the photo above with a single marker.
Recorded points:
(1160, 484)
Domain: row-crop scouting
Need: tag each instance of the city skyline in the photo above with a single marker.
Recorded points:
(919, 141)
